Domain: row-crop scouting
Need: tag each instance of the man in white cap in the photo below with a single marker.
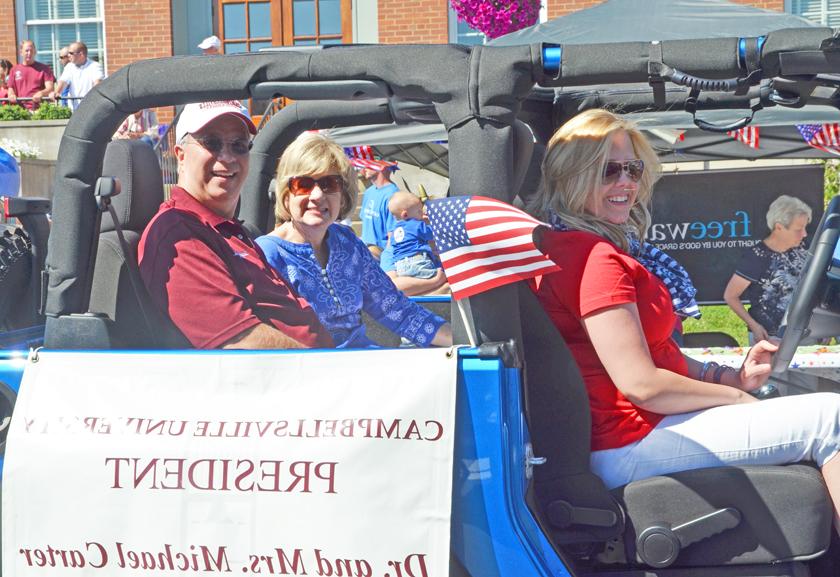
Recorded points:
(211, 45)
(197, 261)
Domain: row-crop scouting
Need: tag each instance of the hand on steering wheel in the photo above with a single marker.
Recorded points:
(756, 368)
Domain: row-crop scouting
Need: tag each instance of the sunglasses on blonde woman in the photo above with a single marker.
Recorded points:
(613, 169)
(303, 185)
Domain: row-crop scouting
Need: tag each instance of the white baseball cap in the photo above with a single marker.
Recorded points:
(196, 115)
(210, 42)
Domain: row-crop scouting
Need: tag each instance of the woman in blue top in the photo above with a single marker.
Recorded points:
(325, 261)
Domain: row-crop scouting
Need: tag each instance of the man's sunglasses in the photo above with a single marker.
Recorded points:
(613, 169)
(214, 145)
(304, 185)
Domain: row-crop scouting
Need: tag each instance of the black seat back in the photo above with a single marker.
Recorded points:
(560, 424)
(136, 322)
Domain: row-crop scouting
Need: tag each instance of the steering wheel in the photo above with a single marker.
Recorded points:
(812, 283)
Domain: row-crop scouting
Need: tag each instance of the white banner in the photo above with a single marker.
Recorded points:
(327, 464)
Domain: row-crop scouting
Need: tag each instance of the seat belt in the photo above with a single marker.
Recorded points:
(106, 188)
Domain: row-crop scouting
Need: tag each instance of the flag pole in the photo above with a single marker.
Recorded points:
(466, 316)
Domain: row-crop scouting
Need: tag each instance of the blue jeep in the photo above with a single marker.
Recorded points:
(534, 508)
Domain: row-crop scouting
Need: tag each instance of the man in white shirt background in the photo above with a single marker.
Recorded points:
(80, 75)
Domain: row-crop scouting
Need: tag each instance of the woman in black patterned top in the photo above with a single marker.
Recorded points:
(769, 270)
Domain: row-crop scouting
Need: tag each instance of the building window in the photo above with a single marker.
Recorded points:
(249, 25)
(245, 26)
(52, 24)
(317, 22)
(460, 33)
(826, 12)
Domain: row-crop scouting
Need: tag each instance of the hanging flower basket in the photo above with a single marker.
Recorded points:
(497, 17)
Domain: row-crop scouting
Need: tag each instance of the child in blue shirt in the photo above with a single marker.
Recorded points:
(411, 238)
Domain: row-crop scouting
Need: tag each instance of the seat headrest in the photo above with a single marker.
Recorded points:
(135, 164)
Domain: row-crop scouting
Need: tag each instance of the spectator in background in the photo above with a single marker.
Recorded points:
(80, 75)
(411, 237)
(142, 125)
(30, 78)
(376, 219)
(769, 270)
(64, 59)
(5, 68)
(211, 45)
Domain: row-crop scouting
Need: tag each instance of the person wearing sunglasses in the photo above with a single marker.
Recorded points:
(653, 410)
(198, 263)
(325, 261)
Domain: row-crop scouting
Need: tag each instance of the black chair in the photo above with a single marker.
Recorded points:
(708, 339)
(761, 516)
(136, 323)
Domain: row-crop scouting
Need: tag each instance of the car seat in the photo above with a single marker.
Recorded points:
(708, 339)
(768, 518)
(136, 322)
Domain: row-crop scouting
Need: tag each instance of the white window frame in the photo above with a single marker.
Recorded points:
(22, 23)
(823, 11)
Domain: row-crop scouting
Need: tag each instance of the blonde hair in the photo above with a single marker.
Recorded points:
(573, 168)
(401, 201)
(784, 209)
(313, 153)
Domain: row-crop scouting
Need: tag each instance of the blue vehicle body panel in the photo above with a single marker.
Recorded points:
(493, 531)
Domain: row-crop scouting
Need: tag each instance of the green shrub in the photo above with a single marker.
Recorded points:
(50, 111)
(14, 112)
(832, 179)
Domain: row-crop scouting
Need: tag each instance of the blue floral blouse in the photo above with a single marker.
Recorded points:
(351, 282)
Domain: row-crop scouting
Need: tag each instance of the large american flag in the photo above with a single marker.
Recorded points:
(747, 135)
(484, 243)
(825, 137)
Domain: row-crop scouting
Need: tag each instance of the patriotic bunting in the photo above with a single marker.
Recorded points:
(747, 135)
(484, 243)
(825, 137)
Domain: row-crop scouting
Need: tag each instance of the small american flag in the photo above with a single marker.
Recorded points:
(747, 135)
(485, 243)
(362, 157)
(825, 137)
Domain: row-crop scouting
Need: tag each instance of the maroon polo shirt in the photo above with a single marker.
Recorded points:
(214, 282)
(26, 80)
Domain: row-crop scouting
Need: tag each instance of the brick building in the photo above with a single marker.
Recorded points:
(120, 31)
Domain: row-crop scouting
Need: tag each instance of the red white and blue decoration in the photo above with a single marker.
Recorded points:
(485, 243)
(363, 157)
(825, 137)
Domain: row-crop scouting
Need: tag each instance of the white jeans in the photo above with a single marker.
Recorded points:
(772, 432)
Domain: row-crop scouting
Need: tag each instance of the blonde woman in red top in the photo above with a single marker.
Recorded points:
(654, 411)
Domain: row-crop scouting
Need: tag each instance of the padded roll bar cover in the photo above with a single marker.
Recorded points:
(787, 40)
(591, 64)
(255, 207)
(621, 62)
(786, 512)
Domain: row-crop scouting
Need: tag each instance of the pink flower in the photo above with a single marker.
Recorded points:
(497, 17)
